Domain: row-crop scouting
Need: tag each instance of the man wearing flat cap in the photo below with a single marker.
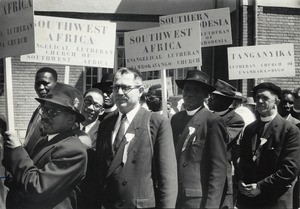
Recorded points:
(220, 102)
(269, 155)
(200, 147)
(48, 176)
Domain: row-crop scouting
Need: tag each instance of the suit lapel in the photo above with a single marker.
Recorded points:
(194, 122)
(107, 145)
(50, 144)
(134, 127)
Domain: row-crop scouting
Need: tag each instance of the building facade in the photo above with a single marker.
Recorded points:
(257, 22)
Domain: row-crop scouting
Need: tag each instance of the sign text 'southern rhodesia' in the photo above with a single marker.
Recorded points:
(215, 25)
(69, 41)
(167, 47)
(261, 61)
(16, 28)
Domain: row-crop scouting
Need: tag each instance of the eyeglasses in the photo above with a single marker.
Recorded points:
(51, 112)
(125, 89)
(88, 102)
(287, 102)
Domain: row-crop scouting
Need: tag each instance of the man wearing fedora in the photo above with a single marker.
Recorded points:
(269, 155)
(199, 137)
(220, 102)
(48, 176)
(106, 87)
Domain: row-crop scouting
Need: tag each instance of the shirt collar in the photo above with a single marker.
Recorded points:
(51, 136)
(130, 115)
(89, 126)
(268, 118)
(192, 112)
(222, 112)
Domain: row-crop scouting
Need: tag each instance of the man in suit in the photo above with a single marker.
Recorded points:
(285, 108)
(135, 151)
(269, 155)
(220, 102)
(45, 79)
(92, 107)
(106, 87)
(199, 137)
(48, 176)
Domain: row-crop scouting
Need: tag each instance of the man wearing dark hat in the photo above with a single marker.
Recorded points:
(220, 102)
(106, 87)
(200, 146)
(269, 155)
(47, 176)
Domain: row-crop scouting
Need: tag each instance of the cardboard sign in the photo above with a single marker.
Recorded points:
(149, 83)
(215, 25)
(167, 47)
(262, 61)
(16, 28)
(69, 41)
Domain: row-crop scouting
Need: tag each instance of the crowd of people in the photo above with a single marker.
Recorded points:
(112, 147)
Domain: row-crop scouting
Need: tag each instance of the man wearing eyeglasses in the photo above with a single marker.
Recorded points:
(135, 151)
(92, 107)
(48, 176)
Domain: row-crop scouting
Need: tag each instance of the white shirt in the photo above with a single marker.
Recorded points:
(192, 112)
(51, 136)
(129, 117)
(88, 127)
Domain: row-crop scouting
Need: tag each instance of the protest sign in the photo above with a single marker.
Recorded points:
(215, 25)
(167, 47)
(261, 61)
(16, 28)
(70, 41)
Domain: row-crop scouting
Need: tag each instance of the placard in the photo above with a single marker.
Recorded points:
(215, 25)
(261, 61)
(70, 41)
(16, 28)
(166, 47)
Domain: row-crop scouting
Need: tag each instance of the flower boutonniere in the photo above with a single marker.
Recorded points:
(262, 141)
(129, 136)
(191, 130)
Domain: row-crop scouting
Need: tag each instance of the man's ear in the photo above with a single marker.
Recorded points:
(277, 100)
(72, 118)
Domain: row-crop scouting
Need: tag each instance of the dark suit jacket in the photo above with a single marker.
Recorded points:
(234, 126)
(47, 179)
(277, 167)
(202, 165)
(33, 132)
(130, 185)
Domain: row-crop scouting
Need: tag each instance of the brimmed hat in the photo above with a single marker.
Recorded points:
(250, 101)
(196, 75)
(224, 89)
(270, 86)
(155, 90)
(239, 96)
(65, 96)
(106, 82)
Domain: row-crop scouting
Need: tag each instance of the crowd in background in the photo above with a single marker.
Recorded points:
(112, 147)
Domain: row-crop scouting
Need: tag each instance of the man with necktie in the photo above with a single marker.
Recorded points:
(199, 137)
(135, 152)
(48, 176)
(269, 155)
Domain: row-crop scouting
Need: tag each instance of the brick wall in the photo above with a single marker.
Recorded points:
(276, 26)
(23, 76)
